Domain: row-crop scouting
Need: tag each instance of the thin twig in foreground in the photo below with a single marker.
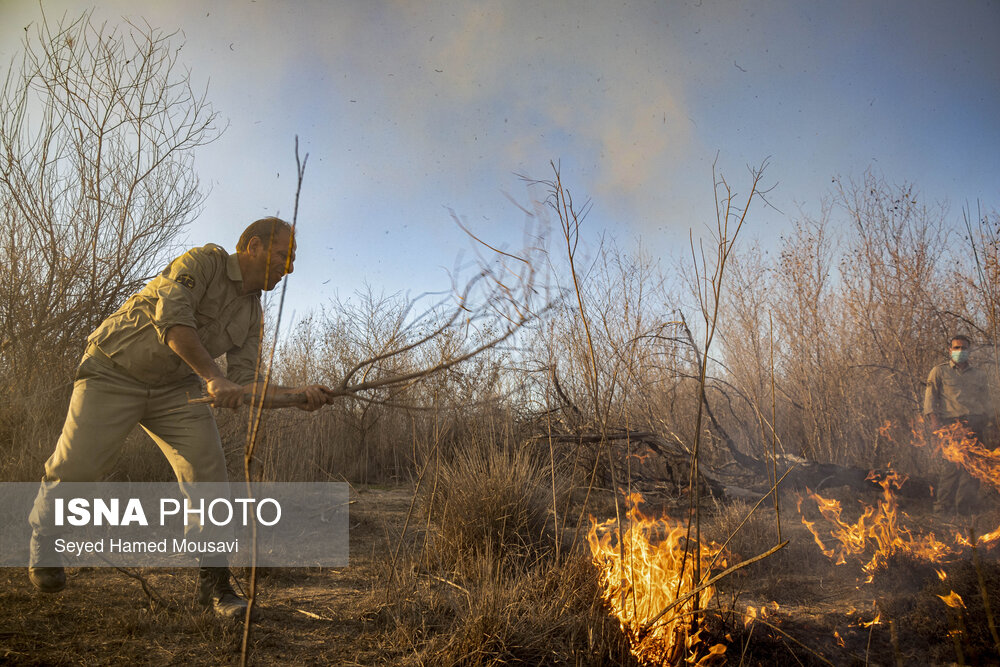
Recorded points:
(146, 588)
(257, 407)
(793, 639)
(725, 573)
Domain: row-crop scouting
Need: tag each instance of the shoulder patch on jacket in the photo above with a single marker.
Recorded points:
(185, 279)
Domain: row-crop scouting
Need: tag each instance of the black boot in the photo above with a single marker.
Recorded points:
(44, 565)
(214, 590)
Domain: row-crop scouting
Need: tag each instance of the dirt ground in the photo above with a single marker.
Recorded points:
(307, 616)
(819, 612)
(328, 616)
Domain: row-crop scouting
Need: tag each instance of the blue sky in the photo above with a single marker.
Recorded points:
(409, 109)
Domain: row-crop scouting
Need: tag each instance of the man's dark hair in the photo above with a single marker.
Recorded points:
(960, 337)
(264, 229)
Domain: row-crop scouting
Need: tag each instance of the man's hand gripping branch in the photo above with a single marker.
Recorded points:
(224, 393)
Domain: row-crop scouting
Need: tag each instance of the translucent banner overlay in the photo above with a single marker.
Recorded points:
(123, 524)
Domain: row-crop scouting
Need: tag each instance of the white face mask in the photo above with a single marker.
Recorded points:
(960, 356)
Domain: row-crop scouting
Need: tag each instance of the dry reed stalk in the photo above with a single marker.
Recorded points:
(983, 591)
(257, 408)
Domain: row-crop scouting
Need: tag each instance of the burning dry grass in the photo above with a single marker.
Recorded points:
(490, 605)
(647, 576)
(879, 532)
(933, 594)
(882, 530)
(945, 619)
(818, 614)
(483, 585)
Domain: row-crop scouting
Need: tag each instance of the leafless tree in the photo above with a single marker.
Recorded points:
(98, 126)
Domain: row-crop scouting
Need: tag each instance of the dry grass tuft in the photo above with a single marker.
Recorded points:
(485, 588)
(490, 500)
(542, 614)
(756, 535)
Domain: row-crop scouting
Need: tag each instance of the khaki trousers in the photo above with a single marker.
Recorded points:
(106, 405)
(958, 491)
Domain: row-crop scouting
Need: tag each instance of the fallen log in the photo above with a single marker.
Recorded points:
(802, 473)
(675, 458)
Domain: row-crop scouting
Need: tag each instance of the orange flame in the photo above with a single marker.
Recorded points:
(644, 571)
(983, 540)
(714, 655)
(953, 600)
(959, 445)
(752, 613)
(875, 621)
(877, 531)
(641, 457)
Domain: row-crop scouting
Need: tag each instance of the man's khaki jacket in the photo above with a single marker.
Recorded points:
(201, 289)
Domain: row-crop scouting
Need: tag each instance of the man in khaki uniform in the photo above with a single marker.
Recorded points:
(957, 391)
(143, 363)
